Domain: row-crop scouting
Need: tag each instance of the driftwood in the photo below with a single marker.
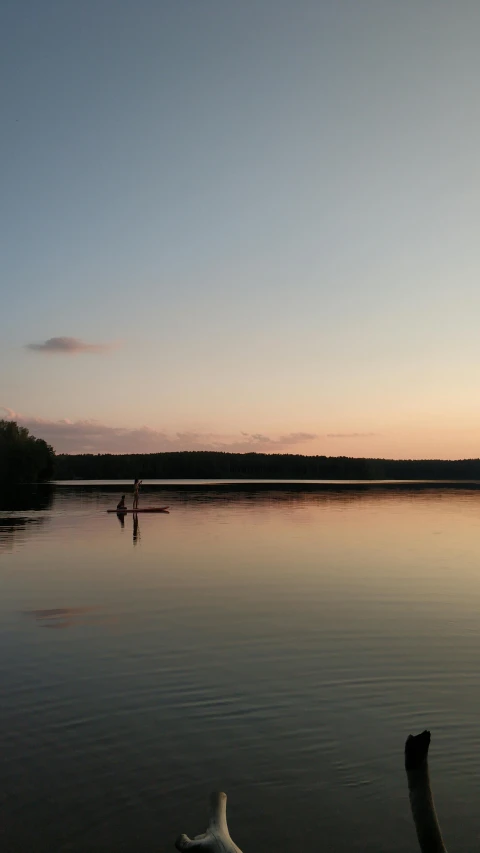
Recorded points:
(217, 837)
(420, 792)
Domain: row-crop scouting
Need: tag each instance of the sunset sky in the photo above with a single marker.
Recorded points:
(242, 225)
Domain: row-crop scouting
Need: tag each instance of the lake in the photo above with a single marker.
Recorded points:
(277, 642)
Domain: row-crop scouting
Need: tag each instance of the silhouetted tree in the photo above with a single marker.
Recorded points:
(23, 458)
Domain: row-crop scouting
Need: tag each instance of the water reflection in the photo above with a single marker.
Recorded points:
(135, 525)
(27, 498)
(14, 528)
(136, 530)
(281, 649)
(248, 493)
(60, 617)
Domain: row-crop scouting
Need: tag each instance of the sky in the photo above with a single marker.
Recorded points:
(241, 226)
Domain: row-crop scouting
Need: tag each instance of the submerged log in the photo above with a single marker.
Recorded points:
(217, 837)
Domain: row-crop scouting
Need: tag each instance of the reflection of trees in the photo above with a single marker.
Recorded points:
(99, 496)
(24, 498)
(295, 494)
(14, 529)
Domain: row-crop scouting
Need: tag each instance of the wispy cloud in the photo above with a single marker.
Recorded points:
(68, 346)
(351, 434)
(91, 436)
(260, 443)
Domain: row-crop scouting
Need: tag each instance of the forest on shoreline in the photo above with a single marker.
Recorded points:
(23, 458)
(199, 464)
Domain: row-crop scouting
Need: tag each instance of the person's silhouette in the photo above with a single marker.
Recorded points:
(136, 489)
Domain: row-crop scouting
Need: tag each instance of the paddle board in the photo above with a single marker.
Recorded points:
(143, 509)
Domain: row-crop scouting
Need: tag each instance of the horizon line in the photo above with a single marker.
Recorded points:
(273, 454)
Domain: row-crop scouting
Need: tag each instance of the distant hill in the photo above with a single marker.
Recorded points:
(211, 464)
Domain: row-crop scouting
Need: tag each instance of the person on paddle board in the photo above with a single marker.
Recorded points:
(121, 504)
(136, 489)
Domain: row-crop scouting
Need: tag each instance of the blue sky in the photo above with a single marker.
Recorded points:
(264, 214)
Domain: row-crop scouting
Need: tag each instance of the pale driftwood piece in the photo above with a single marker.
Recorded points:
(217, 837)
(420, 792)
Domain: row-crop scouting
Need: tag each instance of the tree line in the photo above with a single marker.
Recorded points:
(200, 464)
(23, 458)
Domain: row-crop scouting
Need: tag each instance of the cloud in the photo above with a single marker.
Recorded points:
(91, 436)
(296, 437)
(260, 443)
(8, 414)
(351, 434)
(68, 346)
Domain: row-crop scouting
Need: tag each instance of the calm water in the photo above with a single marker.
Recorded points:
(278, 644)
